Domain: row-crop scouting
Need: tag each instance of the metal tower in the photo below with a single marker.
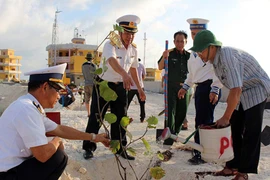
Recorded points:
(54, 52)
(144, 48)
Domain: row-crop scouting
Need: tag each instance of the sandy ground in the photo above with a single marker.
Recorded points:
(104, 166)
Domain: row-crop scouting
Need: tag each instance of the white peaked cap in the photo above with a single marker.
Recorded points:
(197, 23)
(53, 74)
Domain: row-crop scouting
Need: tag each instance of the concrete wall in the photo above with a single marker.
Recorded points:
(155, 86)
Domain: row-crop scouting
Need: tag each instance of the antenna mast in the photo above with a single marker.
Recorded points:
(55, 38)
(144, 48)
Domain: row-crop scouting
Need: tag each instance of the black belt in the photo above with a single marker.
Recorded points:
(209, 81)
(98, 79)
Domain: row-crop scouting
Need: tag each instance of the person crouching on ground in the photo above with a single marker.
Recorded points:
(25, 151)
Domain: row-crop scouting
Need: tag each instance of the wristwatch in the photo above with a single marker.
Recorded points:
(93, 137)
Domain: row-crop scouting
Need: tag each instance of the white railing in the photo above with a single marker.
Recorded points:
(11, 71)
(9, 64)
(63, 59)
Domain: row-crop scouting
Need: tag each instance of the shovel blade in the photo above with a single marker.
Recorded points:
(158, 133)
(161, 112)
(265, 136)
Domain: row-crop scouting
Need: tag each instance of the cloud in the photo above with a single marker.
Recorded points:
(77, 5)
(26, 26)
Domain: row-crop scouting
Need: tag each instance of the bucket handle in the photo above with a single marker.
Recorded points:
(190, 136)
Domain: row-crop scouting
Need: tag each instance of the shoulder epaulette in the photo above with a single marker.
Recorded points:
(170, 50)
(38, 107)
(112, 43)
(194, 54)
(115, 40)
(134, 45)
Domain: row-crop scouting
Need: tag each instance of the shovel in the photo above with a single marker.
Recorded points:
(265, 136)
(159, 131)
(161, 112)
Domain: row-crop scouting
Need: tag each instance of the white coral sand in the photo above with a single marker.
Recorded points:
(104, 166)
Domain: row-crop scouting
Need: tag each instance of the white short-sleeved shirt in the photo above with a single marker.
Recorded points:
(198, 72)
(22, 125)
(126, 58)
(141, 72)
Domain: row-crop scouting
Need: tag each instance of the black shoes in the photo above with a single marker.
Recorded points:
(88, 154)
(168, 141)
(124, 155)
(196, 160)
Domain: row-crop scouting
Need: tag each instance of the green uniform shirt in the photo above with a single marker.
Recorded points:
(177, 66)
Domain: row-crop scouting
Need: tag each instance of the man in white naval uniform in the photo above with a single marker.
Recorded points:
(119, 58)
(207, 92)
(25, 151)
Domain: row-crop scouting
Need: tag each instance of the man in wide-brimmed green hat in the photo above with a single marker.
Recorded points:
(249, 87)
(203, 41)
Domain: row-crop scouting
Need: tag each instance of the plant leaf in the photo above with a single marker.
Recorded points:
(131, 151)
(152, 120)
(105, 68)
(128, 134)
(124, 121)
(157, 172)
(98, 71)
(118, 28)
(106, 92)
(146, 144)
(114, 145)
(160, 156)
(151, 127)
(110, 118)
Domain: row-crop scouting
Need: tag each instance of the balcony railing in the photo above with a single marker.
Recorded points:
(10, 72)
(9, 64)
(63, 59)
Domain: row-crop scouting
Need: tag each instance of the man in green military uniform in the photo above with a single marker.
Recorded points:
(177, 73)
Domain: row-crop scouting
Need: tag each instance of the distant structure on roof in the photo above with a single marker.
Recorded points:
(9, 66)
(73, 54)
(55, 53)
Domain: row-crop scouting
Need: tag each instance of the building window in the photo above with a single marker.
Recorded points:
(60, 54)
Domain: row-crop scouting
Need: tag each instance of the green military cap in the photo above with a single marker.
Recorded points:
(203, 39)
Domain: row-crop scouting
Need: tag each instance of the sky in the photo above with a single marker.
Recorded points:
(26, 26)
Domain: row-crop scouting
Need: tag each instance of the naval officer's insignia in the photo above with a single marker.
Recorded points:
(38, 107)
